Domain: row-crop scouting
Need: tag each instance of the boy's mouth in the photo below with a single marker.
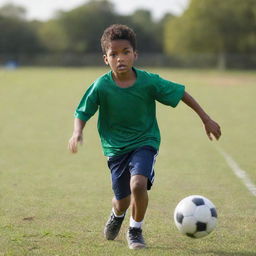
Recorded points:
(121, 66)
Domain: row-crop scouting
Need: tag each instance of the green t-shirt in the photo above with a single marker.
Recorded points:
(127, 116)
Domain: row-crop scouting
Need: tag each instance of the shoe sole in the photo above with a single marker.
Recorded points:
(136, 246)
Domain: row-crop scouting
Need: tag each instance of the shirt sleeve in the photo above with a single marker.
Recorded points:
(167, 92)
(88, 105)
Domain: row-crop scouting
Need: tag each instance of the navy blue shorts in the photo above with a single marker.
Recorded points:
(137, 162)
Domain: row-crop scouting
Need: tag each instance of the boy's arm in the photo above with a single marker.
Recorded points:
(77, 136)
(211, 127)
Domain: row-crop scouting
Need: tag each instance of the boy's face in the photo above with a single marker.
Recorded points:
(120, 56)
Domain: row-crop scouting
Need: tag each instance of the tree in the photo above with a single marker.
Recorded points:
(147, 31)
(84, 25)
(52, 35)
(213, 26)
(13, 11)
(17, 37)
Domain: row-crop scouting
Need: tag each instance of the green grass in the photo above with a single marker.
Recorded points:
(55, 203)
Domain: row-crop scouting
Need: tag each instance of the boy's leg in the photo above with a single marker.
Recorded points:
(120, 175)
(116, 218)
(120, 206)
(139, 203)
(142, 177)
(139, 197)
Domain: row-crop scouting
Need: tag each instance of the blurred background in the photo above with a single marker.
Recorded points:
(55, 203)
(171, 33)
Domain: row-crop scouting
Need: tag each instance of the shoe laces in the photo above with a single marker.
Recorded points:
(115, 221)
(135, 233)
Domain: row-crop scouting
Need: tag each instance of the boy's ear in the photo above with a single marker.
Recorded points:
(105, 58)
(136, 55)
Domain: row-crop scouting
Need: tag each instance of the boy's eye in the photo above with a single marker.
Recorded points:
(112, 54)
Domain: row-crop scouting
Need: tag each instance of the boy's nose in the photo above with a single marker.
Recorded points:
(119, 57)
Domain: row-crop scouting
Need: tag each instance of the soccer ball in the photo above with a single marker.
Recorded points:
(195, 216)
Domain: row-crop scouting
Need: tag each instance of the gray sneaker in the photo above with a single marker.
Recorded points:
(135, 238)
(113, 226)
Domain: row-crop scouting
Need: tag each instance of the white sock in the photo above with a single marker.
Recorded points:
(118, 216)
(135, 224)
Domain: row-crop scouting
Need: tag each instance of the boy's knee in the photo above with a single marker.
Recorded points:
(138, 183)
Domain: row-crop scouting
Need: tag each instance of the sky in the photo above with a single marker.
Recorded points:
(45, 9)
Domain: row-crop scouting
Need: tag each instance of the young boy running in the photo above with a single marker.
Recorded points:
(128, 128)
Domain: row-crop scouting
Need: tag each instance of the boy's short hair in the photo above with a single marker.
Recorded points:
(117, 32)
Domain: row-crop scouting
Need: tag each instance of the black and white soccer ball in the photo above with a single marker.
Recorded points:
(195, 216)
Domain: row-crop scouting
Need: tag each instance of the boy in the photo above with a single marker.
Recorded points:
(128, 127)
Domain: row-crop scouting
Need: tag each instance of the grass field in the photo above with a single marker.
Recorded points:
(54, 203)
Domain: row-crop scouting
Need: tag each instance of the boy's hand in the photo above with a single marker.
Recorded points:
(73, 142)
(212, 128)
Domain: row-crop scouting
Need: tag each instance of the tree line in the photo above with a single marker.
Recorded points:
(216, 27)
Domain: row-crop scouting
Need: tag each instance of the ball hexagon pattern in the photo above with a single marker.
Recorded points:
(195, 216)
